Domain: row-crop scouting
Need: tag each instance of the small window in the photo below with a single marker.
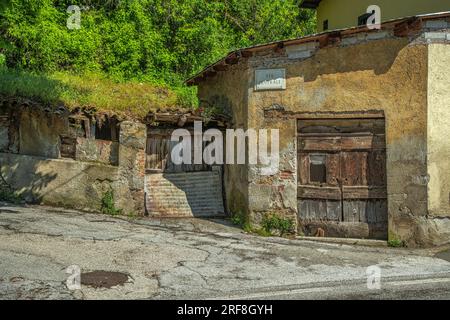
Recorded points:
(318, 168)
(77, 127)
(325, 25)
(107, 130)
(362, 19)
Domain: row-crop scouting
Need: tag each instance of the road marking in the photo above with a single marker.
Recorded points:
(273, 294)
(418, 281)
(276, 293)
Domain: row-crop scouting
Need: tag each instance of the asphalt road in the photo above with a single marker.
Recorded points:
(198, 259)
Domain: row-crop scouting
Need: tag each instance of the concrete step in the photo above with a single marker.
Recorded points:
(190, 194)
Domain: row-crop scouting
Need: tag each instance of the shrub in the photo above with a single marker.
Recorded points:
(396, 243)
(2, 60)
(272, 222)
(237, 219)
(7, 193)
(9, 196)
(108, 206)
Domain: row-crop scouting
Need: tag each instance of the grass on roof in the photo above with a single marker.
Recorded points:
(94, 91)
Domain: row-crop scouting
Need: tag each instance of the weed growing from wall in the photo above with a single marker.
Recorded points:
(108, 206)
(395, 243)
(272, 223)
(7, 193)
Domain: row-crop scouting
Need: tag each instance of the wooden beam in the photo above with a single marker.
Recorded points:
(247, 54)
(330, 39)
(210, 73)
(404, 28)
(371, 114)
(232, 60)
(220, 67)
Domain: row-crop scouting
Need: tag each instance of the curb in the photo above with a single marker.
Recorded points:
(349, 241)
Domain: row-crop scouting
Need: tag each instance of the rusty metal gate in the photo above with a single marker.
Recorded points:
(342, 178)
(187, 190)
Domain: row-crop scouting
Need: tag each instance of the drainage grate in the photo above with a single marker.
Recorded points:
(103, 279)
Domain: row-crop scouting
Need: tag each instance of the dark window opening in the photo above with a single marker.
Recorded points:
(325, 25)
(362, 19)
(318, 168)
(107, 130)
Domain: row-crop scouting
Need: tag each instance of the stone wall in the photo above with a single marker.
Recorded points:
(82, 184)
(39, 133)
(58, 182)
(130, 187)
(4, 131)
(228, 91)
(93, 150)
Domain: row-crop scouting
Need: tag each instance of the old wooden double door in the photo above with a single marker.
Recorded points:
(342, 178)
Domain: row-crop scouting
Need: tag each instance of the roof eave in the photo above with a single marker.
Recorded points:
(310, 4)
(234, 56)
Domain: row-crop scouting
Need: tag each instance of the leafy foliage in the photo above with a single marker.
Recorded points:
(272, 222)
(7, 193)
(108, 206)
(157, 41)
(396, 243)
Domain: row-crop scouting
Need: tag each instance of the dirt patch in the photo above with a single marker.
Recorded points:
(103, 279)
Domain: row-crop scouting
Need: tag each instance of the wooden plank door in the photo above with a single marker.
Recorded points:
(342, 178)
(158, 150)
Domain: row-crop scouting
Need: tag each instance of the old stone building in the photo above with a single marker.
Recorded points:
(74, 158)
(364, 120)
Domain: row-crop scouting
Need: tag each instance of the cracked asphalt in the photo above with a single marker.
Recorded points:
(197, 259)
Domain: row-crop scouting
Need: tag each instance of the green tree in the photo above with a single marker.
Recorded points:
(161, 41)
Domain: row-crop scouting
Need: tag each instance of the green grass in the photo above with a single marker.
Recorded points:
(94, 91)
(395, 243)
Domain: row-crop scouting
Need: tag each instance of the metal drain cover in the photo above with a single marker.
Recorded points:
(103, 279)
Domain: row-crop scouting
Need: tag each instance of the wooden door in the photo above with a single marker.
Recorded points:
(158, 150)
(342, 177)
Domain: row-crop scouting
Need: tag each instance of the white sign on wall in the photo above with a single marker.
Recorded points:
(270, 79)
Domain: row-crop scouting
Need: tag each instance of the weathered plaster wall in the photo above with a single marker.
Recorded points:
(275, 193)
(439, 130)
(229, 91)
(39, 133)
(388, 75)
